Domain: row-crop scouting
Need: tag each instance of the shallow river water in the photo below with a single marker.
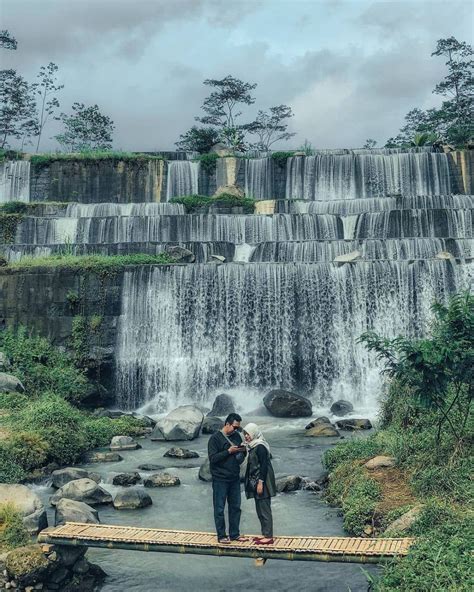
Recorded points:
(189, 507)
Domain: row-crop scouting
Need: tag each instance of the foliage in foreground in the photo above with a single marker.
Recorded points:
(12, 531)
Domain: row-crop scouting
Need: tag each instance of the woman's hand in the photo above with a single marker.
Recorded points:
(260, 487)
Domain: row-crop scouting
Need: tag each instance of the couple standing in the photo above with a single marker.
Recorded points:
(227, 450)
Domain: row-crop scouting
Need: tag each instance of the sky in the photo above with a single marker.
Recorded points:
(350, 70)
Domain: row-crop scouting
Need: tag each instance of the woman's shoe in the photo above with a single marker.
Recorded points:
(264, 541)
(240, 539)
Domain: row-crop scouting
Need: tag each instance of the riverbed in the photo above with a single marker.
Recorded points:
(189, 507)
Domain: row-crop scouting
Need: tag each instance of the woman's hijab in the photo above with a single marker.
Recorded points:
(255, 433)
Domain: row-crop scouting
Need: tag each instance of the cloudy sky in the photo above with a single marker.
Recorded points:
(349, 69)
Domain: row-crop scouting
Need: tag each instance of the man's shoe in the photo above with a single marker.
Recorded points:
(224, 541)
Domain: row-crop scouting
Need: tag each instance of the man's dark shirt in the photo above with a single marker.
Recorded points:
(224, 466)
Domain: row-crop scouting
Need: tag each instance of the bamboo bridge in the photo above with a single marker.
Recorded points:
(290, 548)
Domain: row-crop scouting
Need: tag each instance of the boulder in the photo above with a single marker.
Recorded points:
(181, 255)
(132, 499)
(381, 462)
(211, 425)
(218, 258)
(289, 483)
(183, 423)
(323, 430)
(354, 424)
(348, 257)
(281, 403)
(230, 190)
(404, 523)
(27, 503)
(10, 384)
(123, 443)
(342, 408)
(205, 471)
(150, 467)
(126, 479)
(28, 565)
(62, 476)
(311, 485)
(82, 490)
(112, 413)
(317, 422)
(444, 255)
(68, 510)
(147, 421)
(181, 453)
(68, 555)
(100, 457)
(223, 405)
(161, 480)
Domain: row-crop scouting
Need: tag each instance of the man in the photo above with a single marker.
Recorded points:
(226, 449)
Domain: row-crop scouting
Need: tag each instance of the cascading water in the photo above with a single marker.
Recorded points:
(262, 326)
(183, 178)
(14, 180)
(352, 176)
(259, 178)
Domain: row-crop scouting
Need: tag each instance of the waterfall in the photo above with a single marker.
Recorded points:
(104, 210)
(359, 175)
(183, 178)
(14, 180)
(259, 178)
(264, 326)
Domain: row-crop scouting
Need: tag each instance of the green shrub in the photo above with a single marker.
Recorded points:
(281, 157)
(42, 367)
(208, 162)
(230, 201)
(14, 207)
(12, 531)
(43, 160)
(359, 505)
(192, 203)
(100, 431)
(29, 450)
(13, 401)
(360, 448)
(10, 470)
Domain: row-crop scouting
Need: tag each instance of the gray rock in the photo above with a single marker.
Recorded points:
(63, 476)
(82, 490)
(68, 510)
(151, 467)
(281, 403)
(147, 422)
(126, 479)
(181, 255)
(348, 257)
(323, 430)
(342, 408)
(100, 457)
(10, 384)
(132, 499)
(161, 480)
(183, 423)
(289, 483)
(181, 453)
(354, 424)
(223, 405)
(405, 522)
(381, 462)
(68, 555)
(123, 443)
(317, 422)
(211, 425)
(205, 471)
(27, 503)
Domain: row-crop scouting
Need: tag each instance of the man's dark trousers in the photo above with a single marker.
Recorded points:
(222, 492)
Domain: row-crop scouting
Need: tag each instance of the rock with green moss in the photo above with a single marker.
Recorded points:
(28, 565)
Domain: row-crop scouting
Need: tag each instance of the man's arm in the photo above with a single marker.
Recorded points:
(215, 455)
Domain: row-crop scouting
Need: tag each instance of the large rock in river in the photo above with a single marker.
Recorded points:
(323, 430)
(132, 499)
(223, 405)
(342, 407)
(211, 425)
(27, 503)
(282, 403)
(354, 424)
(289, 483)
(183, 423)
(82, 490)
(181, 453)
(10, 384)
(123, 443)
(161, 480)
(62, 476)
(68, 510)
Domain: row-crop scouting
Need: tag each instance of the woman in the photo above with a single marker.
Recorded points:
(260, 480)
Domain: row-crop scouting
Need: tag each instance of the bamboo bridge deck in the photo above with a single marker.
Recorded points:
(301, 548)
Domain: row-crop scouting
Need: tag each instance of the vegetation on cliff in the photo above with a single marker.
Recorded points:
(92, 156)
(426, 427)
(46, 423)
(195, 203)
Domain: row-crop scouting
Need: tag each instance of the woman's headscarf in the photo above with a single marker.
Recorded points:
(255, 433)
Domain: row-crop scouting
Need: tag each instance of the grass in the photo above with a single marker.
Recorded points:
(93, 155)
(92, 263)
(12, 531)
(28, 208)
(196, 203)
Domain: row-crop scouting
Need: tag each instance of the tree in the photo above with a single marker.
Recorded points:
(18, 117)
(438, 370)
(86, 129)
(221, 108)
(369, 144)
(270, 126)
(7, 41)
(198, 139)
(46, 90)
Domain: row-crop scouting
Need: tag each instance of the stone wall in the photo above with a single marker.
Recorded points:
(463, 165)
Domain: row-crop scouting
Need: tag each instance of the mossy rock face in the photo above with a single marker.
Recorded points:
(27, 565)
